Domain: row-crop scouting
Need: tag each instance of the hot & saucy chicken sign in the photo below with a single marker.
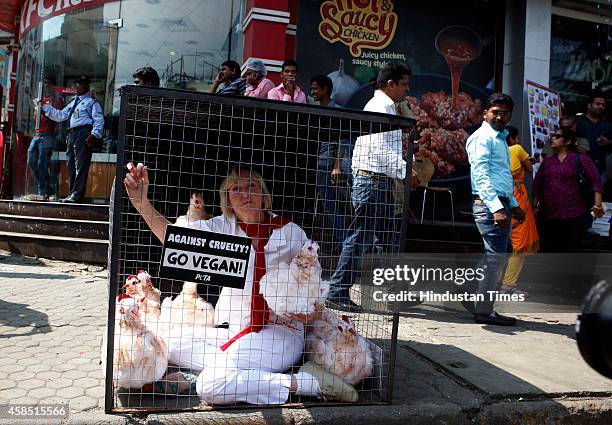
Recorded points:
(450, 47)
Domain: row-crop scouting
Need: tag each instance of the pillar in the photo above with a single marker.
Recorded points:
(267, 32)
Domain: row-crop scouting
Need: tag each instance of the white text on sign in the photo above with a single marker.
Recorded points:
(207, 263)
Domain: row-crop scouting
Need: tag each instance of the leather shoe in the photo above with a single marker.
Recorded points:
(469, 306)
(342, 304)
(495, 319)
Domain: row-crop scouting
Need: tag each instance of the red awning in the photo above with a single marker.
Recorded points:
(9, 9)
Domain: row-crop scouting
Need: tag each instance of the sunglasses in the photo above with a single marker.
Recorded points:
(557, 136)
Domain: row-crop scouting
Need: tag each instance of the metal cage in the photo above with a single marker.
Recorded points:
(189, 141)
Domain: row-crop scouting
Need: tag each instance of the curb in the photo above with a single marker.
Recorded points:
(560, 411)
(587, 411)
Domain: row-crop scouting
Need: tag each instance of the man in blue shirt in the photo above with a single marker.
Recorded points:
(86, 123)
(493, 201)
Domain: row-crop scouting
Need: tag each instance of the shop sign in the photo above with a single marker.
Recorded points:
(574, 62)
(358, 24)
(449, 45)
(36, 11)
(205, 257)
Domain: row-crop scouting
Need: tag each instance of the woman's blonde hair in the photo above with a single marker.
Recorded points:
(231, 178)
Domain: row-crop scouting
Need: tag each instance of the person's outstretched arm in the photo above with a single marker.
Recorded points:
(58, 115)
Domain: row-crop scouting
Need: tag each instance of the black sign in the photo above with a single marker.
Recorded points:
(205, 257)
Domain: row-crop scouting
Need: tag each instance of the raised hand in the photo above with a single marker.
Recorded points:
(136, 183)
(289, 85)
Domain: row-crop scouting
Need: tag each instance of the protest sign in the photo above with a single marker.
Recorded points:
(205, 257)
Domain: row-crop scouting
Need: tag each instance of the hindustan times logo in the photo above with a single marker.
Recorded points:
(414, 275)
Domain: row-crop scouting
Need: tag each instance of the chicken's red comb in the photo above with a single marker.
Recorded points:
(141, 271)
(345, 318)
(122, 296)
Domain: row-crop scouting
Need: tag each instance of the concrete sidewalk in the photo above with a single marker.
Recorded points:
(449, 370)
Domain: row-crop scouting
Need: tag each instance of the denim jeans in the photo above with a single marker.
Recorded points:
(373, 219)
(39, 155)
(328, 193)
(497, 245)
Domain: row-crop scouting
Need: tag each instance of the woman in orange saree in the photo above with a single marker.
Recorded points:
(525, 240)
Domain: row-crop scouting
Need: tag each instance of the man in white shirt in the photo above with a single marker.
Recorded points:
(377, 160)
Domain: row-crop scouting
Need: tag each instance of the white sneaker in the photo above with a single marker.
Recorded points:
(332, 386)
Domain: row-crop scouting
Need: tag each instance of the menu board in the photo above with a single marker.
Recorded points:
(544, 114)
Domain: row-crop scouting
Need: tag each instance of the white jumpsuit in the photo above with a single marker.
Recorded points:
(250, 369)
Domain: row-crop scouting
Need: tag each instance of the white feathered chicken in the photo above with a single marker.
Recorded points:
(296, 287)
(187, 309)
(140, 357)
(146, 295)
(334, 345)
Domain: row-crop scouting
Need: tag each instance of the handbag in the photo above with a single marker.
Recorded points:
(584, 185)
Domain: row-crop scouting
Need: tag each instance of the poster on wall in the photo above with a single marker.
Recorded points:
(544, 115)
(450, 48)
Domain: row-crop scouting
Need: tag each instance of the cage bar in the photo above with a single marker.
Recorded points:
(189, 141)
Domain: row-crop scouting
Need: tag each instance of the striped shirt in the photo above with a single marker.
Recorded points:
(236, 87)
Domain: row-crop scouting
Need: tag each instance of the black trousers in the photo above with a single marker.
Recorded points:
(561, 235)
(78, 160)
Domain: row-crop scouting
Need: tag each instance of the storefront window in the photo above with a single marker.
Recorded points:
(184, 41)
(580, 61)
(57, 52)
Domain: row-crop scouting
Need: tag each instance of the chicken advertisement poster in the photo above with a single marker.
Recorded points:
(452, 56)
(205, 257)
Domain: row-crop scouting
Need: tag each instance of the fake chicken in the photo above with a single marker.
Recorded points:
(333, 344)
(140, 356)
(295, 288)
(187, 309)
(146, 295)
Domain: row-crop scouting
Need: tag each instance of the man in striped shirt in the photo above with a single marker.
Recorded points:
(228, 80)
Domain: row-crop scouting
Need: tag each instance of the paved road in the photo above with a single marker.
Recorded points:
(449, 370)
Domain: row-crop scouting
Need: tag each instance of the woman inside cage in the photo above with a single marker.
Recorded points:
(247, 361)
